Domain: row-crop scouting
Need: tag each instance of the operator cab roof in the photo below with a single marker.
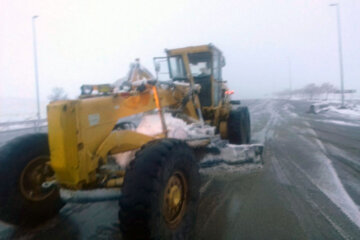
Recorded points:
(192, 49)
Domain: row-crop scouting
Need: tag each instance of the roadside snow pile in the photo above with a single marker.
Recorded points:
(340, 123)
(351, 111)
(19, 109)
(18, 125)
(319, 107)
(319, 169)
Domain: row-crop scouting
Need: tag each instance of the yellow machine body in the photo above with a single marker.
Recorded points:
(81, 132)
(216, 111)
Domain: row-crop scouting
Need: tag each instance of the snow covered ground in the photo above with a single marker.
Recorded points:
(20, 109)
(351, 111)
(309, 187)
(339, 122)
(315, 164)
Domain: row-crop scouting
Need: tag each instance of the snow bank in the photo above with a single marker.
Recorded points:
(19, 109)
(353, 111)
(318, 107)
(10, 126)
(322, 174)
(338, 122)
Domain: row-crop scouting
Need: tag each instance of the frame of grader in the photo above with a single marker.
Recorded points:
(159, 179)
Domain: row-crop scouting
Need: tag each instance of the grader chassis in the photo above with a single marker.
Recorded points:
(160, 186)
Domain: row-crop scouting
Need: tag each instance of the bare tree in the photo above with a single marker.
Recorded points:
(312, 91)
(57, 94)
(327, 88)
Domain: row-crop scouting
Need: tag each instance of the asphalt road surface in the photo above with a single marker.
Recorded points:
(309, 187)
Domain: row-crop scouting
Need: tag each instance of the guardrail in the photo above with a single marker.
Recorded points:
(22, 125)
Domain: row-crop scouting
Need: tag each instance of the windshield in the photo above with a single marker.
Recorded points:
(200, 64)
(177, 69)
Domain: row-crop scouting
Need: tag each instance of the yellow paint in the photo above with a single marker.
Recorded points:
(80, 132)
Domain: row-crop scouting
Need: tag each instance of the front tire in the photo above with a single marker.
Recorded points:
(239, 129)
(23, 168)
(160, 192)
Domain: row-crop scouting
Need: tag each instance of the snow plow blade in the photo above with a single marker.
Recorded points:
(230, 154)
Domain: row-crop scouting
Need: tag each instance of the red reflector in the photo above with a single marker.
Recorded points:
(229, 92)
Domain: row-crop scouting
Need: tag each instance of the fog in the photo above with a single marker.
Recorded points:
(94, 41)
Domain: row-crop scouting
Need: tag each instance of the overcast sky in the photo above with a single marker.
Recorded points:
(88, 41)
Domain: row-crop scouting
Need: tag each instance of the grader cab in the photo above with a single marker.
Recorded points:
(137, 141)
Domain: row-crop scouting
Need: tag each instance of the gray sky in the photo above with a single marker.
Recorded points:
(94, 41)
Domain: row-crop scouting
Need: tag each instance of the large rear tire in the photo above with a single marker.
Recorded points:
(239, 129)
(160, 192)
(23, 168)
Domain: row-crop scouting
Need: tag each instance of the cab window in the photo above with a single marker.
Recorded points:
(216, 66)
(200, 64)
(177, 70)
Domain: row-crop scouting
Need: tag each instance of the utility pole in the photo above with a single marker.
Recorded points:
(36, 71)
(340, 52)
(290, 78)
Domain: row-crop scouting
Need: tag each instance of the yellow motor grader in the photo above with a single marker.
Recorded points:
(155, 127)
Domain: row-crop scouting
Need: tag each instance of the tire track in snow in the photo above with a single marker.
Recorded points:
(323, 175)
(317, 167)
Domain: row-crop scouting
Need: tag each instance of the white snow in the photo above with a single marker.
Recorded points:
(19, 109)
(123, 159)
(317, 167)
(181, 83)
(274, 119)
(338, 122)
(225, 169)
(323, 175)
(176, 128)
(21, 125)
(353, 112)
(288, 108)
(151, 125)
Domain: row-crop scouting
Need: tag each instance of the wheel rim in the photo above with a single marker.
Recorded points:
(33, 176)
(175, 197)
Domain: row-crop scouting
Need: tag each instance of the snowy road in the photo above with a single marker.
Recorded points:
(309, 187)
(6, 136)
